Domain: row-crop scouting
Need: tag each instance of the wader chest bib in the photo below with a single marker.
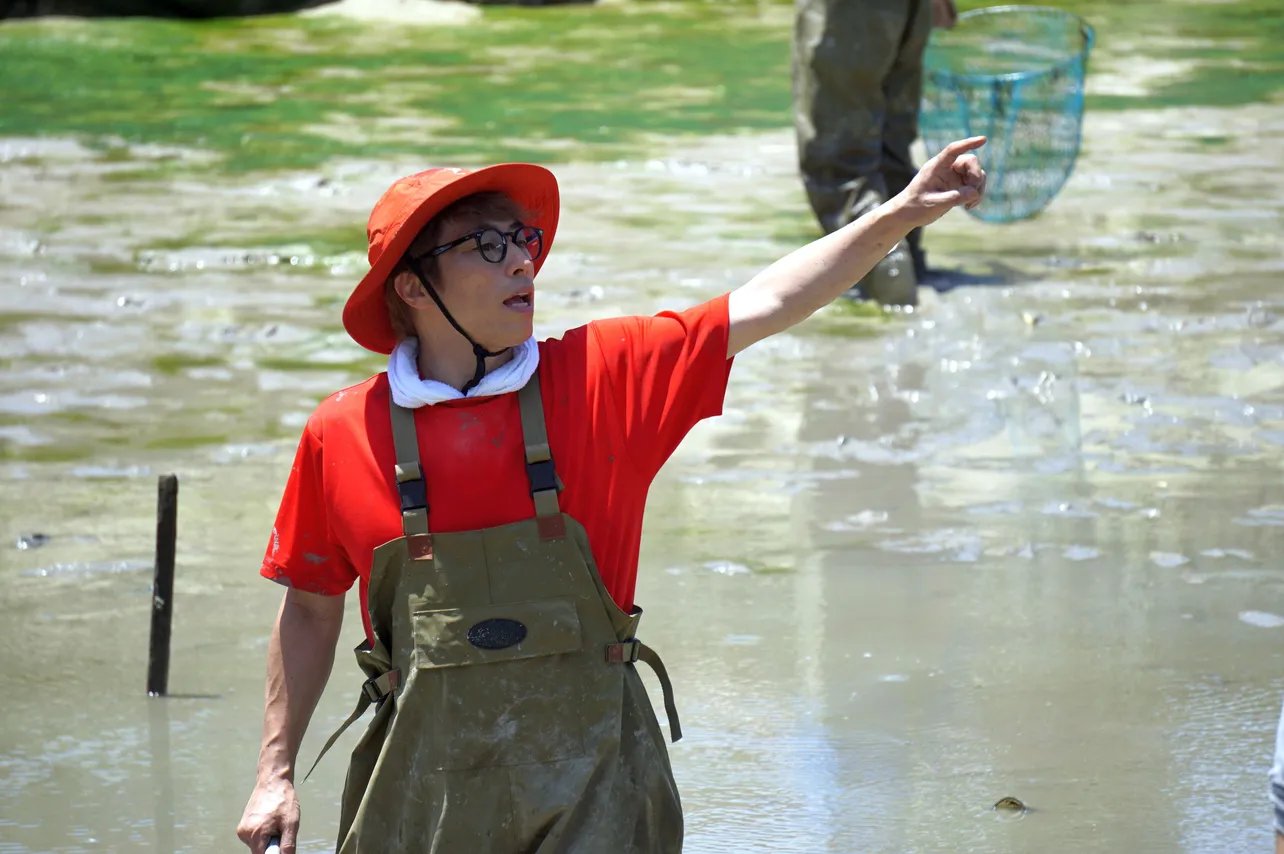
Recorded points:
(509, 715)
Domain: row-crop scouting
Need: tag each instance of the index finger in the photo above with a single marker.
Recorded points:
(962, 146)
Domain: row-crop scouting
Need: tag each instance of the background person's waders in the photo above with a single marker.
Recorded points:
(510, 717)
(857, 69)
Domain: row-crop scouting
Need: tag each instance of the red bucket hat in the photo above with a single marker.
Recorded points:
(407, 207)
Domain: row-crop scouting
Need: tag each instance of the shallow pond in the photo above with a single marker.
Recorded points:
(1020, 542)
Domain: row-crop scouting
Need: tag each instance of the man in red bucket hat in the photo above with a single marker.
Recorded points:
(485, 494)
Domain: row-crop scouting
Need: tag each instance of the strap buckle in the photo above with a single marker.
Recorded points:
(411, 486)
(542, 476)
(625, 652)
(378, 687)
(414, 494)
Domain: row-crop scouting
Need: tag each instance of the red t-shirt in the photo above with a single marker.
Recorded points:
(619, 396)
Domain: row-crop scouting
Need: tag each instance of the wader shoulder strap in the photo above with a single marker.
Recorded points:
(539, 462)
(410, 483)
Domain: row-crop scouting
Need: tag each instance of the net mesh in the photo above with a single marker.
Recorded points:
(1015, 75)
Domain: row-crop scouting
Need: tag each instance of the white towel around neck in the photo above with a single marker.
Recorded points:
(412, 392)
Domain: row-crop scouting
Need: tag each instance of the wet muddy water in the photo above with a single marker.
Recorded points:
(1023, 541)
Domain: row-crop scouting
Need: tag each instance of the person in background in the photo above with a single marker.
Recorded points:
(858, 82)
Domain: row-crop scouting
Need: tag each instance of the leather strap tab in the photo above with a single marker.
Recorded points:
(419, 546)
(551, 527)
(625, 652)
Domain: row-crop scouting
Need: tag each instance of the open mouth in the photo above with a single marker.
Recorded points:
(520, 301)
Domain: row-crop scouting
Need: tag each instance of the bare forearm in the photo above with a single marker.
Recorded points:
(300, 657)
(813, 276)
(806, 280)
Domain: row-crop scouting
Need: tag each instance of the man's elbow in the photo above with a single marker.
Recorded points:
(322, 612)
(755, 315)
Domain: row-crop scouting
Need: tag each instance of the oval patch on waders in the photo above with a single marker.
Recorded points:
(496, 633)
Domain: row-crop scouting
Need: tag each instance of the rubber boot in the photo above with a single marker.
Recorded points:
(892, 281)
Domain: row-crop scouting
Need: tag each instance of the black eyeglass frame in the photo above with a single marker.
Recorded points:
(506, 237)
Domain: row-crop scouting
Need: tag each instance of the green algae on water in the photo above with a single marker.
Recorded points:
(287, 92)
(172, 364)
(1224, 54)
(546, 84)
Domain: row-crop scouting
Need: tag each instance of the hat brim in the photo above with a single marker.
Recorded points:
(365, 315)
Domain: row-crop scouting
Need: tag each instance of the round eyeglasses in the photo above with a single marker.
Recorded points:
(493, 243)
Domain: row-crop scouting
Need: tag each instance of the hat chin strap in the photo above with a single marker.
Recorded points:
(479, 352)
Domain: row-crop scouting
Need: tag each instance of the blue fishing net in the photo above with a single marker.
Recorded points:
(1014, 74)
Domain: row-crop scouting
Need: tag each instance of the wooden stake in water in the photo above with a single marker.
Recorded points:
(163, 586)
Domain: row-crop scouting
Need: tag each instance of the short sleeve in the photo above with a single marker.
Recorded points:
(301, 553)
(667, 373)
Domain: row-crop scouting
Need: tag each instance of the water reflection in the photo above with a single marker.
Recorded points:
(161, 774)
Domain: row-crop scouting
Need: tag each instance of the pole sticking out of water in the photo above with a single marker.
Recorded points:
(163, 586)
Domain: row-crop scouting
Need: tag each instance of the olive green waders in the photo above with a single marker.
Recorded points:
(509, 715)
(858, 81)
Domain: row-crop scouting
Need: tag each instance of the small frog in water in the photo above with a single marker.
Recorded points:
(1010, 807)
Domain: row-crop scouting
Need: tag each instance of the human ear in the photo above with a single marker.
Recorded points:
(410, 289)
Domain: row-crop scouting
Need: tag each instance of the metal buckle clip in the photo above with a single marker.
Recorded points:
(378, 687)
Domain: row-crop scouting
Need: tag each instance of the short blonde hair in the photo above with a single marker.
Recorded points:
(490, 205)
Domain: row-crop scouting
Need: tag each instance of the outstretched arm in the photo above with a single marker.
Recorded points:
(811, 277)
